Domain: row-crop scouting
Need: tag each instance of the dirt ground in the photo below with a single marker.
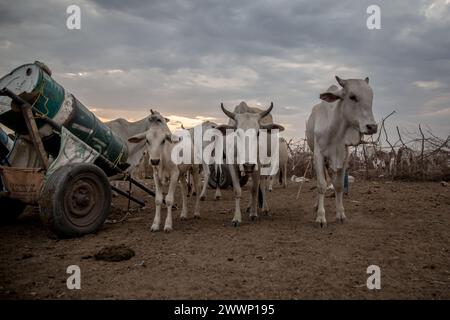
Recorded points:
(404, 228)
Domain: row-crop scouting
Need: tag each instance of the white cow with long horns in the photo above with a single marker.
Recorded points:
(243, 121)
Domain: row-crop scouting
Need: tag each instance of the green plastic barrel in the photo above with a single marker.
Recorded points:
(32, 82)
(86, 126)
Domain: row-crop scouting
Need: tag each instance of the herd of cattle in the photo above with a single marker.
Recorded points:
(339, 121)
(404, 162)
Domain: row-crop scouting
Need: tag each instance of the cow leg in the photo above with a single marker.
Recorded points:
(253, 207)
(170, 199)
(339, 191)
(263, 180)
(328, 179)
(271, 178)
(206, 174)
(321, 188)
(189, 183)
(284, 176)
(237, 219)
(184, 191)
(218, 194)
(218, 173)
(197, 183)
(158, 201)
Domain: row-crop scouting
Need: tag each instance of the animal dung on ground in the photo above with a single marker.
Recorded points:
(115, 253)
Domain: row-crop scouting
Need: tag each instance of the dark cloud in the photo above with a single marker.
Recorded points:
(184, 57)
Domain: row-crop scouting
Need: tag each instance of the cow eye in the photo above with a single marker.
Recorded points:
(353, 98)
(164, 141)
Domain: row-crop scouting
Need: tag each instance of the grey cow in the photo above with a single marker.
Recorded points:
(339, 121)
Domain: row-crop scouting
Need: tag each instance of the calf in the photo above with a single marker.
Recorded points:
(159, 144)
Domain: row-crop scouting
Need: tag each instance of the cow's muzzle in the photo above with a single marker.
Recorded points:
(249, 167)
(371, 129)
(154, 162)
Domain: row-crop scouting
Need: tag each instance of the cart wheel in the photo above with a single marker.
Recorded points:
(75, 200)
(224, 179)
(11, 209)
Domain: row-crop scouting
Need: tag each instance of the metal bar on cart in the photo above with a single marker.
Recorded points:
(141, 203)
(27, 113)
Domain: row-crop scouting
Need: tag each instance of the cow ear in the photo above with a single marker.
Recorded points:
(167, 119)
(329, 97)
(272, 126)
(224, 127)
(367, 80)
(137, 138)
(332, 94)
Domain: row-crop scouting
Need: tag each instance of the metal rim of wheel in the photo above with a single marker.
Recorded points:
(81, 200)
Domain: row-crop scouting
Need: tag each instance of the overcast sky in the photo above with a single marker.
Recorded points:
(184, 57)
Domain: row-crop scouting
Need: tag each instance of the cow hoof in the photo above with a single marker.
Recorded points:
(167, 229)
(341, 218)
(254, 218)
(154, 228)
(183, 218)
(270, 190)
(217, 198)
(202, 198)
(196, 216)
(235, 223)
(321, 222)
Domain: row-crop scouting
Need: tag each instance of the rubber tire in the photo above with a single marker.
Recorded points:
(243, 180)
(54, 208)
(225, 180)
(11, 209)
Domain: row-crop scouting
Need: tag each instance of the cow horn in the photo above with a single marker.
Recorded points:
(228, 113)
(340, 81)
(152, 112)
(266, 112)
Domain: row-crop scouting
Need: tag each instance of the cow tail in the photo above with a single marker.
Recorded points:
(218, 172)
